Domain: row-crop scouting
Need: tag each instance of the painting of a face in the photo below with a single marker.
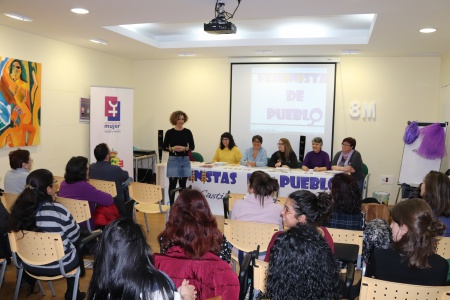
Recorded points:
(16, 70)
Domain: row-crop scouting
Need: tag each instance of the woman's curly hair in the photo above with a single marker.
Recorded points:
(302, 266)
(345, 194)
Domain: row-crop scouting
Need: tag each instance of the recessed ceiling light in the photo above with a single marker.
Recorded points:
(427, 30)
(80, 11)
(350, 51)
(184, 54)
(98, 41)
(19, 17)
(275, 58)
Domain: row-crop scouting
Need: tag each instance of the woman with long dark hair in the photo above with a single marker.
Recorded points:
(195, 249)
(412, 257)
(347, 212)
(435, 190)
(35, 210)
(302, 266)
(228, 151)
(132, 275)
(285, 156)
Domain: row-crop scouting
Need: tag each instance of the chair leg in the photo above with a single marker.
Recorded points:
(75, 285)
(146, 222)
(19, 279)
(2, 272)
(51, 288)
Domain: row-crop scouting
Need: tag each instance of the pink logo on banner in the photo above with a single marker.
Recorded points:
(112, 108)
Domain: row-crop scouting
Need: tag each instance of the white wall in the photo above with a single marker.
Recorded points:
(67, 75)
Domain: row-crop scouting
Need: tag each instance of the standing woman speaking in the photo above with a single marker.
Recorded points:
(178, 141)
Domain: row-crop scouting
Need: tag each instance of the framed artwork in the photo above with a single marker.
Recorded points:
(20, 103)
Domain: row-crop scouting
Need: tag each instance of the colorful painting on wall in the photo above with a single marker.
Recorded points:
(20, 103)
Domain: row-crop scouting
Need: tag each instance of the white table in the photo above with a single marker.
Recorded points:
(215, 182)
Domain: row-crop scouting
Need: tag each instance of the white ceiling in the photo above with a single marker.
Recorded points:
(168, 27)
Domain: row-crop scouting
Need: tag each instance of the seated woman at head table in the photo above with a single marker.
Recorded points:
(255, 156)
(284, 157)
(316, 159)
(349, 160)
(227, 151)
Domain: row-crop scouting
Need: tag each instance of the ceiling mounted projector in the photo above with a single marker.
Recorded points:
(220, 23)
(219, 28)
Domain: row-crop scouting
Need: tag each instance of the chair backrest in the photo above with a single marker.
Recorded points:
(57, 185)
(145, 193)
(36, 248)
(376, 211)
(365, 169)
(197, 156)
(79, 209)
(8, 200)
(372, 288)
(246, 236)
(105, 186)
(281, 200)
(344, 236)
(259, 275)
(443, 247)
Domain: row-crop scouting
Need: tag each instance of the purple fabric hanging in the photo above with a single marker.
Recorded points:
(433, 142)
(411, 133)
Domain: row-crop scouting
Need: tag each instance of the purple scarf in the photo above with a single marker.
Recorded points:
(348, 157)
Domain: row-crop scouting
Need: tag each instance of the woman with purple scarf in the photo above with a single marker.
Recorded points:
(350, 161)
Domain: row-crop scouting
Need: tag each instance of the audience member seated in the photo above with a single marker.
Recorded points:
(377, 235)
(132, 275)
(195, 249)
(346, 204)
(228, 151)
(316, 159)
(259, 205)
(301, 266)
(104, 170)
(255, 156)
(304, 207)
(350, 161)
(20, 162)
(412, 257)
(35, 210)
(76, 186)
(284, 157)
(435, 190)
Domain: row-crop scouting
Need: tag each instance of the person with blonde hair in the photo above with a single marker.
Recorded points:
(285, 156)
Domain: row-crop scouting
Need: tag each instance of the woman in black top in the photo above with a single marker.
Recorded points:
(285, 156)
(178, 141)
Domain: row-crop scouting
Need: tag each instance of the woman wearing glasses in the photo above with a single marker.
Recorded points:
(285, 156)
(228, 151)
(350, 161)
(255, 156)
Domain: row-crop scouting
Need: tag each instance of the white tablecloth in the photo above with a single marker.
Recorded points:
(215, 182)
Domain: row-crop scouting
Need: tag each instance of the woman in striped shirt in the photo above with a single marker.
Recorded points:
(35, 210)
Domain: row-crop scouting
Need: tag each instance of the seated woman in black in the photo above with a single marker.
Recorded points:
(412, 257)
(284, 157)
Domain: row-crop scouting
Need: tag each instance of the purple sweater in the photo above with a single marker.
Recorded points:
(313, 159)
(82, 190)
